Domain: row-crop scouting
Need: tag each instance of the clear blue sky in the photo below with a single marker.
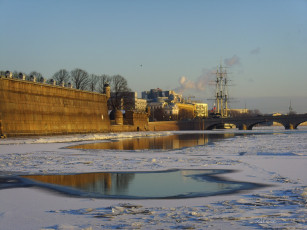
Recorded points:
(153, 43)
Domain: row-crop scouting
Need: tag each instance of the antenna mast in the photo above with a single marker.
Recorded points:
(290, 108)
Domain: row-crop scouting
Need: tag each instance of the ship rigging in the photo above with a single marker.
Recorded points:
(221, 92)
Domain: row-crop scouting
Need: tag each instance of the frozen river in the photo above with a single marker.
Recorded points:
(275, 157)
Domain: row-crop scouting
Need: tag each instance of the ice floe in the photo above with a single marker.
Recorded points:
(276, 157)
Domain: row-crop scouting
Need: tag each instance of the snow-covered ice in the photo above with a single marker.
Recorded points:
(275, 157)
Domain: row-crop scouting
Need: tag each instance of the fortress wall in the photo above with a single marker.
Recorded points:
(138, 120)
(28, 108)
(176, 125)
(163, 125)
(123, 128)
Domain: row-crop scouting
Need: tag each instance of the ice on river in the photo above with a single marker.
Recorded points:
(271, 156)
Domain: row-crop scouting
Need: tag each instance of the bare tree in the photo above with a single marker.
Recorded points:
(15, 74)
(119, 89)
(254, 113)
(119, 84)
(235, 113)
(35, 74)
(93, 80)
(61, 76)
(103, 79)
(79, 78)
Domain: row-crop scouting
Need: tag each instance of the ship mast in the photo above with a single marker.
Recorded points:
(221, 94)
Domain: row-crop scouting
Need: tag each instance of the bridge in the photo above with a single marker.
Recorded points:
(247, 123)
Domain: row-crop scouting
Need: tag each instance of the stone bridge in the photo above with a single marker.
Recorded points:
(247, 123)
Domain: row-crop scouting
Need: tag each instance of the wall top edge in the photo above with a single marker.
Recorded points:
(47, 85)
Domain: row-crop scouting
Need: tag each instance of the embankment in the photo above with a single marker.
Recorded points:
(176, 125)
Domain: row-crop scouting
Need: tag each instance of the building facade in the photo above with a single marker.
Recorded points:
(168, 105)
(200, 110)
(169, 96)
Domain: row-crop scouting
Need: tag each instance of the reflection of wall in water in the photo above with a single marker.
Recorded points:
(167, 142)
(121, 181)
(91, 182)
(87, 180)
(161, 142)
(191, 140)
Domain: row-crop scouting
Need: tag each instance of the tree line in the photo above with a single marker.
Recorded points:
(80, 79)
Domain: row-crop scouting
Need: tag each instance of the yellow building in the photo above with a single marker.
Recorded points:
(186, 111)
(238, 111)
(200, 109)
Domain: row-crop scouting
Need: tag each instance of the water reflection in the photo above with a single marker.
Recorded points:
(145, 185)
(159, 142)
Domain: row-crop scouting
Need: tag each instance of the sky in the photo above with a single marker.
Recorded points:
(167, 44)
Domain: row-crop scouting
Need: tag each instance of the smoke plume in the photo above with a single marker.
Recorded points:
(198, 85)
(255, 51)
(234, 60)
(207, 76)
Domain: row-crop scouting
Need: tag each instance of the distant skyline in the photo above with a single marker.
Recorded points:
(170, 44)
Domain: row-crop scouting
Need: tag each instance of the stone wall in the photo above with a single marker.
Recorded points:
(138, 120)
(177, 125)
(28, 108)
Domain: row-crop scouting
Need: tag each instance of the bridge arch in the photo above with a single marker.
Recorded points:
(268, 123)
(250, 126)
(218, 125)
(299, 124)
(288, 124)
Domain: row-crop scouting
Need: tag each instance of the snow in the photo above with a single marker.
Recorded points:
(275, 157)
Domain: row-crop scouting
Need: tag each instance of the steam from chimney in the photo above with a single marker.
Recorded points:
(208, 75)
(187, 84)
(198, 85)
(234, 60)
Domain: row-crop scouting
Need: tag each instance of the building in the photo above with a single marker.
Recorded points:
(200, 110)
(127, 101)
(238, 112)
(157, 110)
(162, 104)
(158, 94)
(186, 111)
(168, 105)
(133, 103)
(172, 111)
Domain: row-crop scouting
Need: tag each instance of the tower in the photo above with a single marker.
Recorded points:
(107, 90)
